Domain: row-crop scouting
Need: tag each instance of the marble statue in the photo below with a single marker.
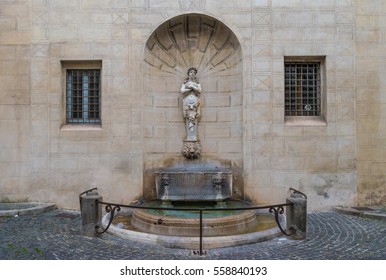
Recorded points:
(191, 108)
(191, 90)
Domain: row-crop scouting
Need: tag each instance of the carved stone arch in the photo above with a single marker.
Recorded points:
(193, 40)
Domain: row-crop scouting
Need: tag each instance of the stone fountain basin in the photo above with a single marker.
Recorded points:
(187, 223)
(264, 228)
(175, 226)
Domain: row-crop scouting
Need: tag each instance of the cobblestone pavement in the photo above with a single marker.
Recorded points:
(57, 235)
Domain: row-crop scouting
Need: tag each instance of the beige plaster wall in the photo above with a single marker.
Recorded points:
(15, 129)
(316, 159)
(43, 159)
(371, 101)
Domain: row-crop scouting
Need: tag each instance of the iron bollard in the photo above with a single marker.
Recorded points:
(91, 213)
(296, 215)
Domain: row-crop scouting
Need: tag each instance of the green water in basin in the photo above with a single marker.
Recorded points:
(219, 211)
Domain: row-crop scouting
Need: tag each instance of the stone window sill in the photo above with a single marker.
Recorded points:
(81, 127)
(305, 121)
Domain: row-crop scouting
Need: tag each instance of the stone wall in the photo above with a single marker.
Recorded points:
(44, 159)
(15, 129)
(371, 101)
(74, 158)
(318, 159)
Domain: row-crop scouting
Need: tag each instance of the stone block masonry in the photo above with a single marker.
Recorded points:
(239, 49)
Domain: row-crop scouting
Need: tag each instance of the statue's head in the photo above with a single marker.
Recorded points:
(192, 69)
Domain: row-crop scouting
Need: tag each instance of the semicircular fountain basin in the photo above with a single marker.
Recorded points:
(181, 229)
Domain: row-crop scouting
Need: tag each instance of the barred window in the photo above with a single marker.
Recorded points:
(83, 96)
(302, 89)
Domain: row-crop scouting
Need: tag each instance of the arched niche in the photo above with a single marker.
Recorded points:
(192, 40)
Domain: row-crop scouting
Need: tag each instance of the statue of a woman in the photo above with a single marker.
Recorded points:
(191, 90)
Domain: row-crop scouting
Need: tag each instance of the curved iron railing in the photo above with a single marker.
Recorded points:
(85, 192)
(299, 192)
(112, 208)
(277, 209)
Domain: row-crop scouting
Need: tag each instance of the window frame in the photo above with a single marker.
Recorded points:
(82, 66)
(301, 119)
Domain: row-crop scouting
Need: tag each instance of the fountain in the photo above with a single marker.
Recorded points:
(195, 184)
(194, 174)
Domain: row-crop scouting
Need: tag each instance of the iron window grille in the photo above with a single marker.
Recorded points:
(83, 96)
(302, 89)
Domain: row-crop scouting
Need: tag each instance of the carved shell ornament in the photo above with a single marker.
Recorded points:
(194, 42)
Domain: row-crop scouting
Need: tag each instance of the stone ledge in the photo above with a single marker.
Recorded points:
(28, 208)
(371, 212)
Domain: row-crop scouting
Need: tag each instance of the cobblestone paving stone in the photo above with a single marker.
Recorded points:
(57, 235)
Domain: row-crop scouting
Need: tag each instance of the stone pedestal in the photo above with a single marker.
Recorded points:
(296, 215)
(91, 213)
